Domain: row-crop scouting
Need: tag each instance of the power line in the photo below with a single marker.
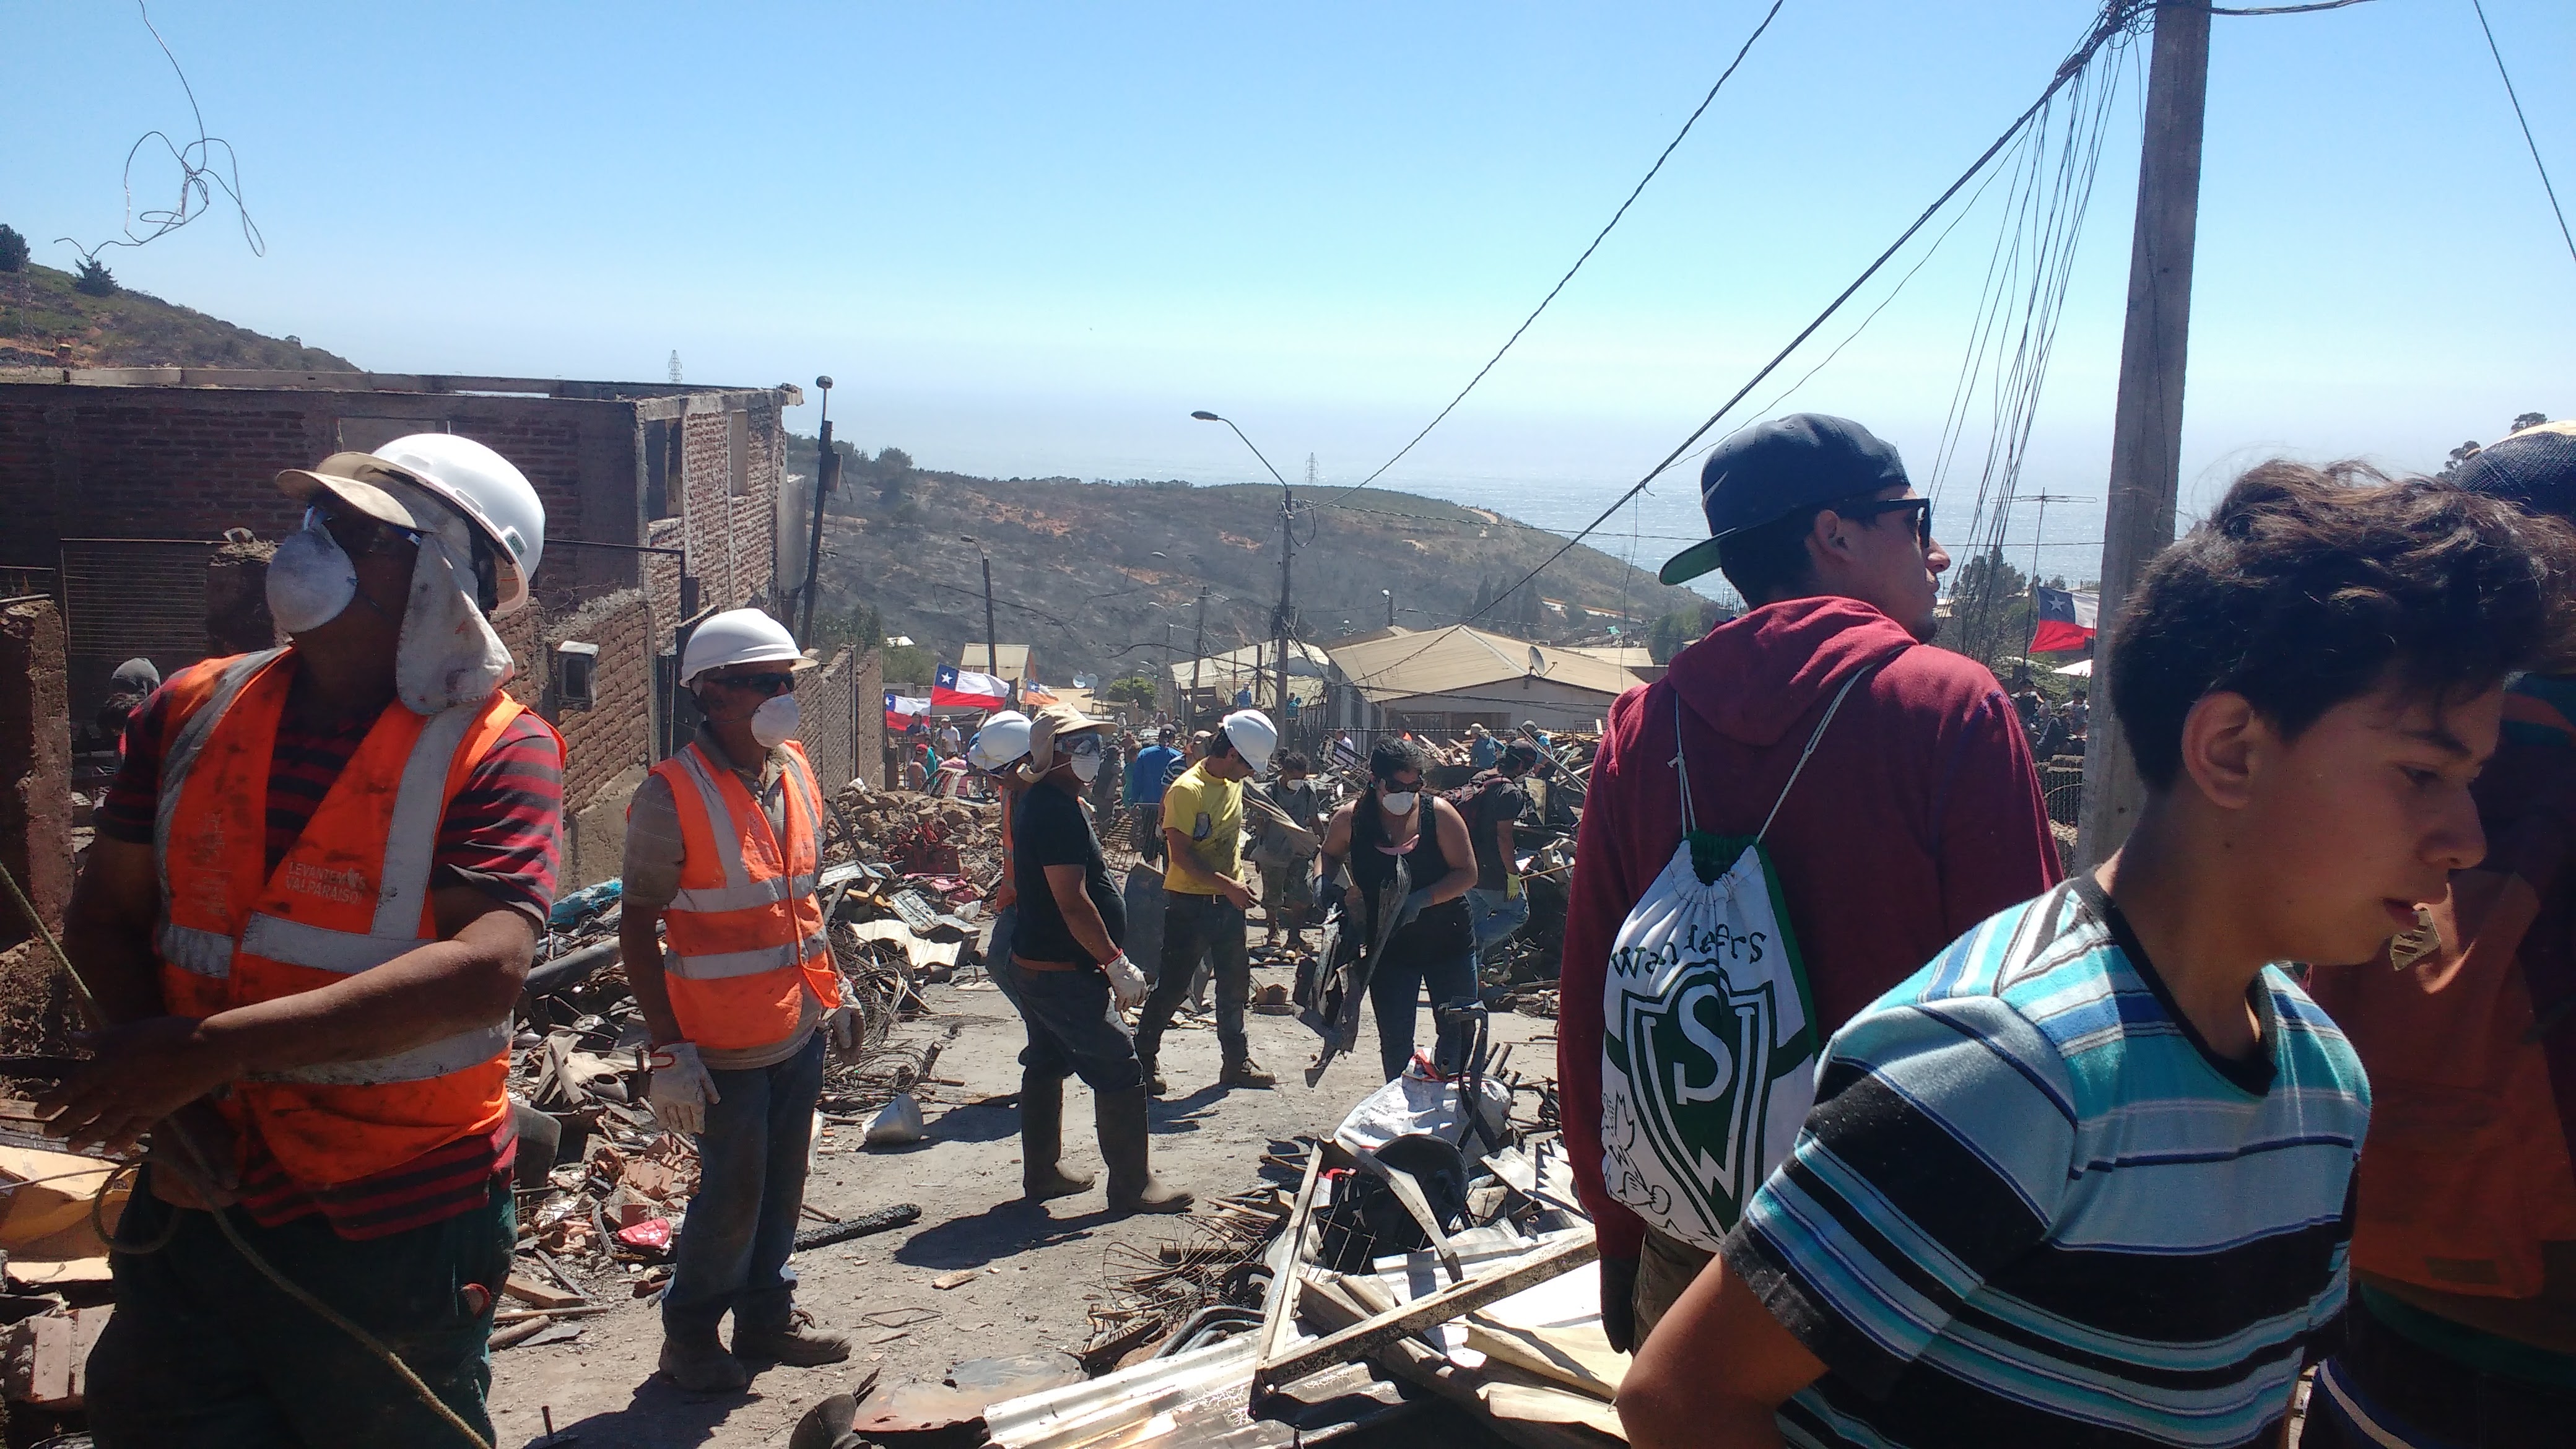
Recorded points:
(196, 172)
(2537, 163)
(2117, 17)
(1578, 261)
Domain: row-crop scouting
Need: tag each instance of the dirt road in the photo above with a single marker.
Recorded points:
(1039, 1268)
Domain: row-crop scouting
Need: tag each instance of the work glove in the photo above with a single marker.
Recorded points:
(846, 1027)
(1412, 907)
(1327, 896)
(680, 1089)
(1619, 1303)
(1126, 983)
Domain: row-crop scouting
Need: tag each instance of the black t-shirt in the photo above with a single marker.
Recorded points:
(1500, 800)
(1052, 830)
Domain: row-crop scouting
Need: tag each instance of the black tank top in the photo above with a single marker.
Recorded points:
(1441, 930)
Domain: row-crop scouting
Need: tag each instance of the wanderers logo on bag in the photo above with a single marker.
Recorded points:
(1709, 1045)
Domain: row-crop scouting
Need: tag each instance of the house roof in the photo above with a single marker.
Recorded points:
(1442, 661)
(1250, 664)
(1626, 656)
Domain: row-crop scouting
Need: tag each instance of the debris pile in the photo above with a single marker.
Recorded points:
(921, 835)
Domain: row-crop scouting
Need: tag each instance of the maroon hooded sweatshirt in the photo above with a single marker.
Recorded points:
(1918, 817)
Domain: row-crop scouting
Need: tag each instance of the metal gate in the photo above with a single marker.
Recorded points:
(125, 598)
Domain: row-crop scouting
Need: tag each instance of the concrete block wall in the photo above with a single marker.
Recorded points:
(827, 715)
(867, 753)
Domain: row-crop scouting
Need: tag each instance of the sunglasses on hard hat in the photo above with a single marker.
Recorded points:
(779, 683)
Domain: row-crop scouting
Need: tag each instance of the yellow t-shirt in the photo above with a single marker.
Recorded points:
(1210, 812)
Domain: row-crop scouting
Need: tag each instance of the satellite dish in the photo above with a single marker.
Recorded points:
(1538, 661)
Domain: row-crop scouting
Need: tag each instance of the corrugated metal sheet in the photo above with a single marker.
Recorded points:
(1458, 658)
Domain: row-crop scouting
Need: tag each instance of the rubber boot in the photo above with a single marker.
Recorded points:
(699, 1363)
(1124, 1145)
(1042, 1176)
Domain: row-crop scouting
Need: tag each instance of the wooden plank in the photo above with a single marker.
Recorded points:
(1362, 1339)
(1334, 1305)
(1552, 1406)
(540, 1295)
(1579, 1357)
(1279, 1306)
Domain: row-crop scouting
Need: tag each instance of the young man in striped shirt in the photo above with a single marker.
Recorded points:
(2086, 1177)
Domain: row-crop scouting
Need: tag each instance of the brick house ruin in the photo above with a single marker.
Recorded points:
(663, 502)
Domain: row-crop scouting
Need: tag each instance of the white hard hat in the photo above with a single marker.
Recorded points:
(492, 494)
(1004, 738)
(738, 636)
(1254, 737)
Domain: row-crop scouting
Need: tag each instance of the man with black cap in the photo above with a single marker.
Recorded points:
(2462, 1328)
(1915, 815)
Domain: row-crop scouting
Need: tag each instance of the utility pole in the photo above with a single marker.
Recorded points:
(1279, 619)
(826, 471)
(1165, 682)
(1198, 655)
(2146, 434)
(992, 649)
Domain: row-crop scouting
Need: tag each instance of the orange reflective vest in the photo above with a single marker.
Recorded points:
(350, 895)
(745, 932)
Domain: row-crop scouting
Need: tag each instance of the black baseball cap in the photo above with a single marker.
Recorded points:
(1773, 469)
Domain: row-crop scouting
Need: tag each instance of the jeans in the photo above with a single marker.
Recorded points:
(204, 1353)
(2413, 1395)
(1147, 831)
(1196, 926)
(1665, 1267)
(1396, 987)
(751, 1184)
(1074, 1029)
(1496, 915)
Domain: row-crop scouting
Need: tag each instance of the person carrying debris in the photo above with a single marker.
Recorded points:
(1287, 867)
(1432, 944)
(2463, 1323)
(1496, 801)
(1918, 816)
(2087, 1177)
(1073, 977)
(1144, 793)
(318, 880)
(723, 845)
(1204, 897)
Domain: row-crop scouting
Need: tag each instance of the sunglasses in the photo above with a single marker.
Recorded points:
(374, 535)
(1082, 746)
(1874, 507)
(1399, 786)
(781, 683)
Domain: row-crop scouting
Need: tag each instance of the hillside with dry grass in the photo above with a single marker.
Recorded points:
(44, 322)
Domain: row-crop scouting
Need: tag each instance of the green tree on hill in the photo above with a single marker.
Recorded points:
(95, 279)
(13, 250)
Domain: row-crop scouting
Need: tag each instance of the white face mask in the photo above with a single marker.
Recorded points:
(774, 723)
(1398, 802)
(310, 581)
(1086, 768)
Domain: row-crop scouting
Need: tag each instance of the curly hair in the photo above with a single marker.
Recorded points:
(2310, 586)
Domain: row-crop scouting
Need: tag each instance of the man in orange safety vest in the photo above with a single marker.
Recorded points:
(723, 846)
(318, 879)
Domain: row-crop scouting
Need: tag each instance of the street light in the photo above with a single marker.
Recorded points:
(1390, 606)
(1287, 549)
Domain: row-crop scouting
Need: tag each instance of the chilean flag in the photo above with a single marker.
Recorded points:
(957, 688)
(2066, 619)
(903, 709)
(1033, 694)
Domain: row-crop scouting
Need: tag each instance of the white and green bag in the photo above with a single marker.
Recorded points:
(1709, 1039)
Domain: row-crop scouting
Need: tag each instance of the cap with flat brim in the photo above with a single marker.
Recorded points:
(341, 476)
(1700, 558)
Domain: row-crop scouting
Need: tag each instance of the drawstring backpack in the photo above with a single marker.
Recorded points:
(1709, 1040)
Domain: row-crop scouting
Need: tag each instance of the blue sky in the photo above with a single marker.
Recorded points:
(1029, 239)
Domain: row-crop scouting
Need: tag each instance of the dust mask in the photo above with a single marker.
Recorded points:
(1086, 768)
(774, 723)
(1398, 802)
(310, 580)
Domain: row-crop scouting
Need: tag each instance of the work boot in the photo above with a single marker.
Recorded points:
(1124, 1145)
(698, 1363)
(798, 1345)
(1042, 1139)
(1147, 1049)
(1243, 1071)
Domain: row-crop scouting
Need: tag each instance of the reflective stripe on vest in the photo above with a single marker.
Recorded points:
(744, 932)
(740, 892)
(728, 964)
(471, 1047)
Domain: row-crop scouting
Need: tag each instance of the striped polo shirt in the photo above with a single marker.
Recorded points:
(2031, 1207)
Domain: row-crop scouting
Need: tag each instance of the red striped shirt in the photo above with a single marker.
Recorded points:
(499, 836)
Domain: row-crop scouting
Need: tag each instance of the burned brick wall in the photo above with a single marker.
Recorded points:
(827, 719)
(37, 1014)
